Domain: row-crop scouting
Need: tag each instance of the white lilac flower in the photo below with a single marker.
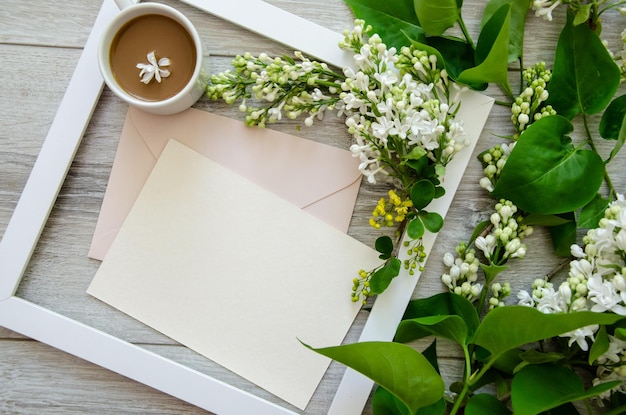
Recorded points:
(550, 301)
(487, 244)
(615, 352)
(579, 336)
(607, 374)
(153, 69)
(604, 296)
(544, 8)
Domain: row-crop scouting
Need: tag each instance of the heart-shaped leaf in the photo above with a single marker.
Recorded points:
(576, 86)
(546, 174)
(400, 369)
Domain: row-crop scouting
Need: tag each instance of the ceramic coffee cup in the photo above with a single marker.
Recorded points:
(150, 56)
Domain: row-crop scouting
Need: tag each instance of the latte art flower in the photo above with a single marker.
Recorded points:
(153, 69)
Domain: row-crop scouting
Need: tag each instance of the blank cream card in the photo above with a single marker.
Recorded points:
(234, 272)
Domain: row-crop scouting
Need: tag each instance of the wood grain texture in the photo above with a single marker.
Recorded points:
(40, 43)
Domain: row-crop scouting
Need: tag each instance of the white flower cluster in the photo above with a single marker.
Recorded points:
(596, 282)
(530, 106)
(402, 98)
(285, 86)
(505, 239)
(493, 161)
(398, 106)
(527, 108)
(462, 277)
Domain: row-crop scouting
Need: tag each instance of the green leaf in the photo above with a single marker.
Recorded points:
(400, 369)
(576, 86)
(538, 388)
(484, 404)
(613, 118)
(394, 21)
(416, 153)
(478, 230)
(582, 15)
(432, 221)
(492, 53)
(599, 346)
(506, 328)
(592, 212)
(382, 278)
(436, 16)
(439, 191)
(613, 124)
(620, 333)
(384, 245)
(508, 361)
(415, 229)
(422, 167)
(385, 403)
(437, 408)
(563, 236)
(519, 11)
(491, 271)
(546, 174)
(430, 353)
(453, 54)
(450, 327)
(538, 219)
(536, 357)
(422, 193)
(444, 304)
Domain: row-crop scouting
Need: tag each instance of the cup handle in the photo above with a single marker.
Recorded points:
(122, 4)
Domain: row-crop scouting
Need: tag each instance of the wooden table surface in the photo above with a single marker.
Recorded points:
(40, 43)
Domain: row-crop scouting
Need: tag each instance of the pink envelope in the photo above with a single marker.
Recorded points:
(321, 179)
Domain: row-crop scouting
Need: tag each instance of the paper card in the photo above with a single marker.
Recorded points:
(234, 272)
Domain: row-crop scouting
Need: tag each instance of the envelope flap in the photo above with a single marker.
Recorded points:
(298, 170)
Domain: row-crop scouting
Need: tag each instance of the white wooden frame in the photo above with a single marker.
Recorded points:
(48, 175)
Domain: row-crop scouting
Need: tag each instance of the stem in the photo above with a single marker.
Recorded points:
(468, 384)
(466, 34)
(611, 6)
(503, 103)
(459, 399)
(558, 268)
